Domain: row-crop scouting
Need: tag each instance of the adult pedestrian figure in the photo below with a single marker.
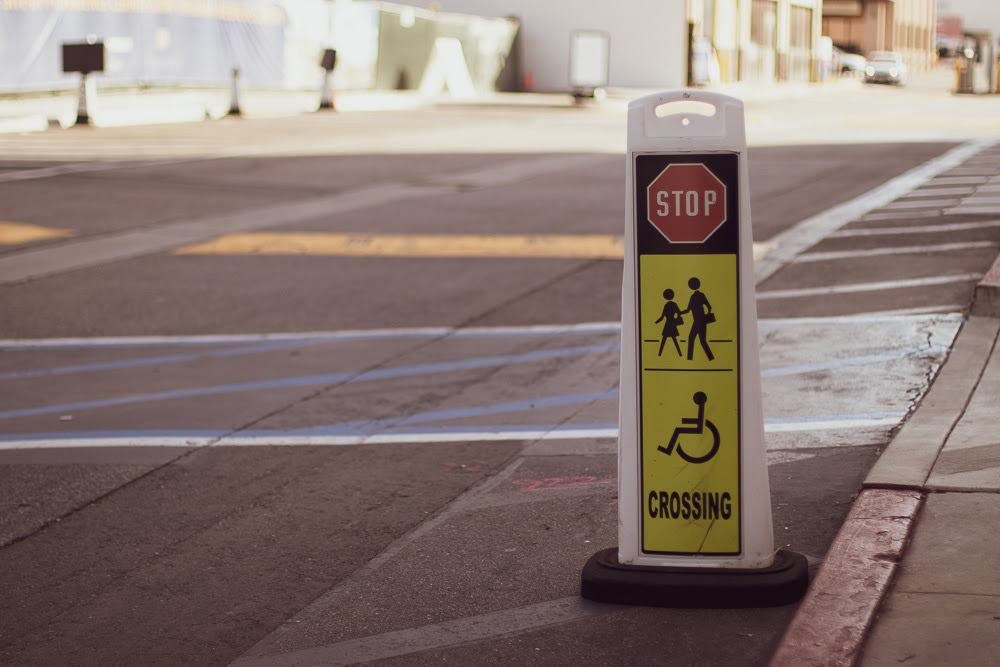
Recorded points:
(671, 318)
(701, 317)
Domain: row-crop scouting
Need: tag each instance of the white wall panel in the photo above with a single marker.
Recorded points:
(648, 37)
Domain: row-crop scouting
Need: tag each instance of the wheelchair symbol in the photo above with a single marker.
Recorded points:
(698, 426)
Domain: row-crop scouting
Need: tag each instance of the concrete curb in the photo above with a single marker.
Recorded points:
(986, 300)
(906, 463)
(830, 625)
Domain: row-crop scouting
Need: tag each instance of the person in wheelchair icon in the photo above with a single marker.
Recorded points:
(697, 426)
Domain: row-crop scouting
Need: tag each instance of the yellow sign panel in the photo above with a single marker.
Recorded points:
(688, 310)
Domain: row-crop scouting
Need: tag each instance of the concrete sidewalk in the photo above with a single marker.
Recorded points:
(944, 607)
(116, 108)
(126, 107)
(912, 577)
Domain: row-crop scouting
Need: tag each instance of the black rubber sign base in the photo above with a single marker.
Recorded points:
(604, 579)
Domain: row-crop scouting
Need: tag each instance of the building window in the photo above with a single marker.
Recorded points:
(760, 59)
(799, 43)
(763, 22)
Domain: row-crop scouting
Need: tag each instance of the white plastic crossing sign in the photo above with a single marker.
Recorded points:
(694, 504)
(692, 444)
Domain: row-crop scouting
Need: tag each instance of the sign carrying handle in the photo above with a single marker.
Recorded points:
(688, 123)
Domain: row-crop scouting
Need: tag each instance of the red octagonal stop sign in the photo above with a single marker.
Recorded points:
(686, 202)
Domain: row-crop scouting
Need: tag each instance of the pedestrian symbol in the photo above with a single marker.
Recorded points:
(701, 316)
(696, 426)
(671, 318)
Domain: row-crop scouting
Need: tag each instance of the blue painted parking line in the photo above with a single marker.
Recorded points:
(310, 337)
(772, 424)
(125, 434)
(277, 345)
(338, 436)
(435, 368)
(317, 380)
(378, 425)
(162, 360)
(861, 360)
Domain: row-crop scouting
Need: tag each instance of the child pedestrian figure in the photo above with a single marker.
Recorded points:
(701, 317)
(671, 318)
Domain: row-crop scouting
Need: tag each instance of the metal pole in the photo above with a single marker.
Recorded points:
(326, 95)
(234, 98)
(83, 103)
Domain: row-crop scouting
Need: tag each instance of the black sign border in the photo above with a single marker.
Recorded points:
(724, 241)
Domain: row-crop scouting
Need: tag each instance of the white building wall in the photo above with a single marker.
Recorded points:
(648, 38)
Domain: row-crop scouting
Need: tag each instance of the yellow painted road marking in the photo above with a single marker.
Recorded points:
(592, 246)
(582, 246)
(14, 233)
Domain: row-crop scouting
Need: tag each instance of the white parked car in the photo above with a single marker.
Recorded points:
(885, 67)
(849, 64)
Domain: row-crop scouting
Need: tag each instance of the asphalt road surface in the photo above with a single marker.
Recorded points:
(266, 405)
